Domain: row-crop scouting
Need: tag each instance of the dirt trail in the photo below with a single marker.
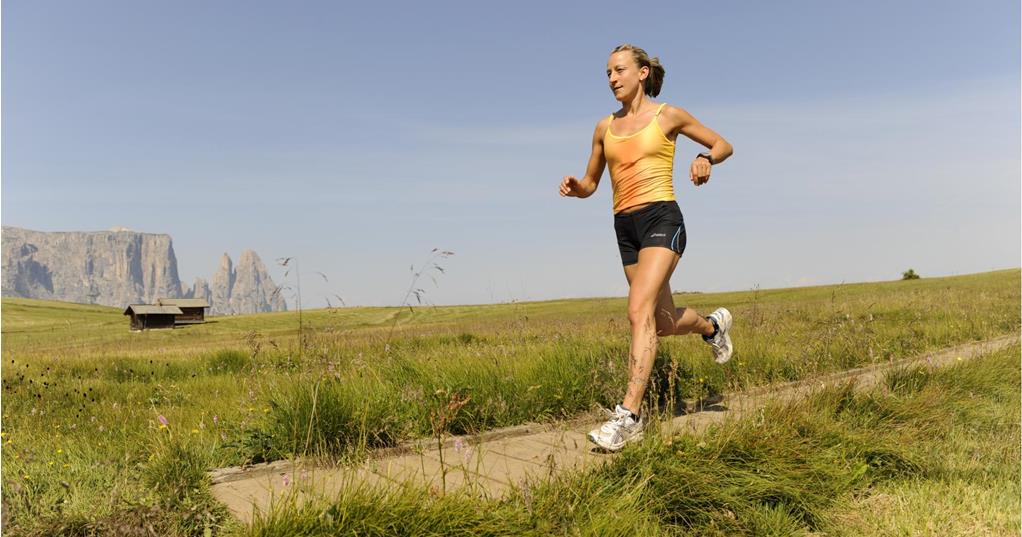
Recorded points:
(494, 462)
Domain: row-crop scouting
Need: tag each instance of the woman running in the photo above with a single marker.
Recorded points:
(637, 143)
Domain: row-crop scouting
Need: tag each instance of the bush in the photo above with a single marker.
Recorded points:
(909, 275)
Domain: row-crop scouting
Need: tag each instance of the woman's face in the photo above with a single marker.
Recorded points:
(624, 75)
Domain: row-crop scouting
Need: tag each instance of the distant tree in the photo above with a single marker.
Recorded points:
(909, 275)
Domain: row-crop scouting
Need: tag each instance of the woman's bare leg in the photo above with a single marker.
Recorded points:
(672, 321)
(646, 280)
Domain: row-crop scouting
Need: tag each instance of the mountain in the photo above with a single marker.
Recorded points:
(246, 288)
(121, 267)
(113, 268)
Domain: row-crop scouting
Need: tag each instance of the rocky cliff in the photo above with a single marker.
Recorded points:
(246, 288)
(121, 267)
(113, 268)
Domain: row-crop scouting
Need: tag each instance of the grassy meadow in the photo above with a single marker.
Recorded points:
(107, 431)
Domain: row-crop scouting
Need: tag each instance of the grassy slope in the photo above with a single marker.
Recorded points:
(83, 394)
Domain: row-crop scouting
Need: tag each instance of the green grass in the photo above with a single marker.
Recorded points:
(82, 394)
(938, 455)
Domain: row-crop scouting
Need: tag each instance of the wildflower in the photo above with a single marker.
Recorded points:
(66, 465)
(27, 478)
(216, 419)
(49, 463)
(163, 421)
(195, 431)
(59, 451)
(458, 445)
(287, 480)
(266, 411)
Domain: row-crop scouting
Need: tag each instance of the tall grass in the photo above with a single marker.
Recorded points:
(561, 369)
(809, 467)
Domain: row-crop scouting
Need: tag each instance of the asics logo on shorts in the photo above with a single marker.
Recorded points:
(658, 235)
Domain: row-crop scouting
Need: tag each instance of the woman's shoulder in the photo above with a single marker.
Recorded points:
(603, 124)
(673, 110)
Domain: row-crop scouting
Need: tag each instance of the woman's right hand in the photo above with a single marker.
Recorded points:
(571, 187)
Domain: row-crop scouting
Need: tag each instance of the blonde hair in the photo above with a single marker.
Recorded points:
(651, 86)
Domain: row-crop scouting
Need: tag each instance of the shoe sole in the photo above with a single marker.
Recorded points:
(731, 350)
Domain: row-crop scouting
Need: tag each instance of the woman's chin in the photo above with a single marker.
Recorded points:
(622, 97)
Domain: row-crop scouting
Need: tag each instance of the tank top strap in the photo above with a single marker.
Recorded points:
(659, 109)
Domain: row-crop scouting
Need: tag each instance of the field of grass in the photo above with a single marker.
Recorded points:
(107, 431)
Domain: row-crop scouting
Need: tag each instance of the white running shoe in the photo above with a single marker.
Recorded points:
(721, 343)
(620, 429)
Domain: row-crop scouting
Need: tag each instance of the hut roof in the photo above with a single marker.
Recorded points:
(183, 302)
(148, 309)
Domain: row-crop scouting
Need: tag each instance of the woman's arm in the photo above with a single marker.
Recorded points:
(571, 186)
(681, 122)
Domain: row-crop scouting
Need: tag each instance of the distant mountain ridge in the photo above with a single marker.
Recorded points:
(121, 267)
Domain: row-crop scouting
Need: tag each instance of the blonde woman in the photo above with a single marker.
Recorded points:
(637, 143)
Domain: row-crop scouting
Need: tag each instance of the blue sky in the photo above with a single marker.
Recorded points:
(869, 137)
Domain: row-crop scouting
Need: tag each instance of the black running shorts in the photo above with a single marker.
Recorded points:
(657, 224)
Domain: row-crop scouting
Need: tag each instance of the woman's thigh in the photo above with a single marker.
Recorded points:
(649, 279)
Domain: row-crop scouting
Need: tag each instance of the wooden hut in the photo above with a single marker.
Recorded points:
(148, 317)
(193, 310)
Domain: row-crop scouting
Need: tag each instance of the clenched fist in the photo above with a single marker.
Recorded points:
(571, 187)
(699, 173)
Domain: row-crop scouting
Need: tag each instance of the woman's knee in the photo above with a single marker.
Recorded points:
(641, 314)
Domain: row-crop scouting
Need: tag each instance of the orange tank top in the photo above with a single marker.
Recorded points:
(641, 165)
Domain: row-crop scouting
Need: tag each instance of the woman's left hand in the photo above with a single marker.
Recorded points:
(700, 172)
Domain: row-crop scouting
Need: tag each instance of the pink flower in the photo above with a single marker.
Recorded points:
(287, 480)
(216, 419)
(163, 421)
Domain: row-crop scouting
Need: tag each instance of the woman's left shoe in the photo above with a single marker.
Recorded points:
(620, 429)
(721, 342)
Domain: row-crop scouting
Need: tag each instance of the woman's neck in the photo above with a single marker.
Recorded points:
(634, 106)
